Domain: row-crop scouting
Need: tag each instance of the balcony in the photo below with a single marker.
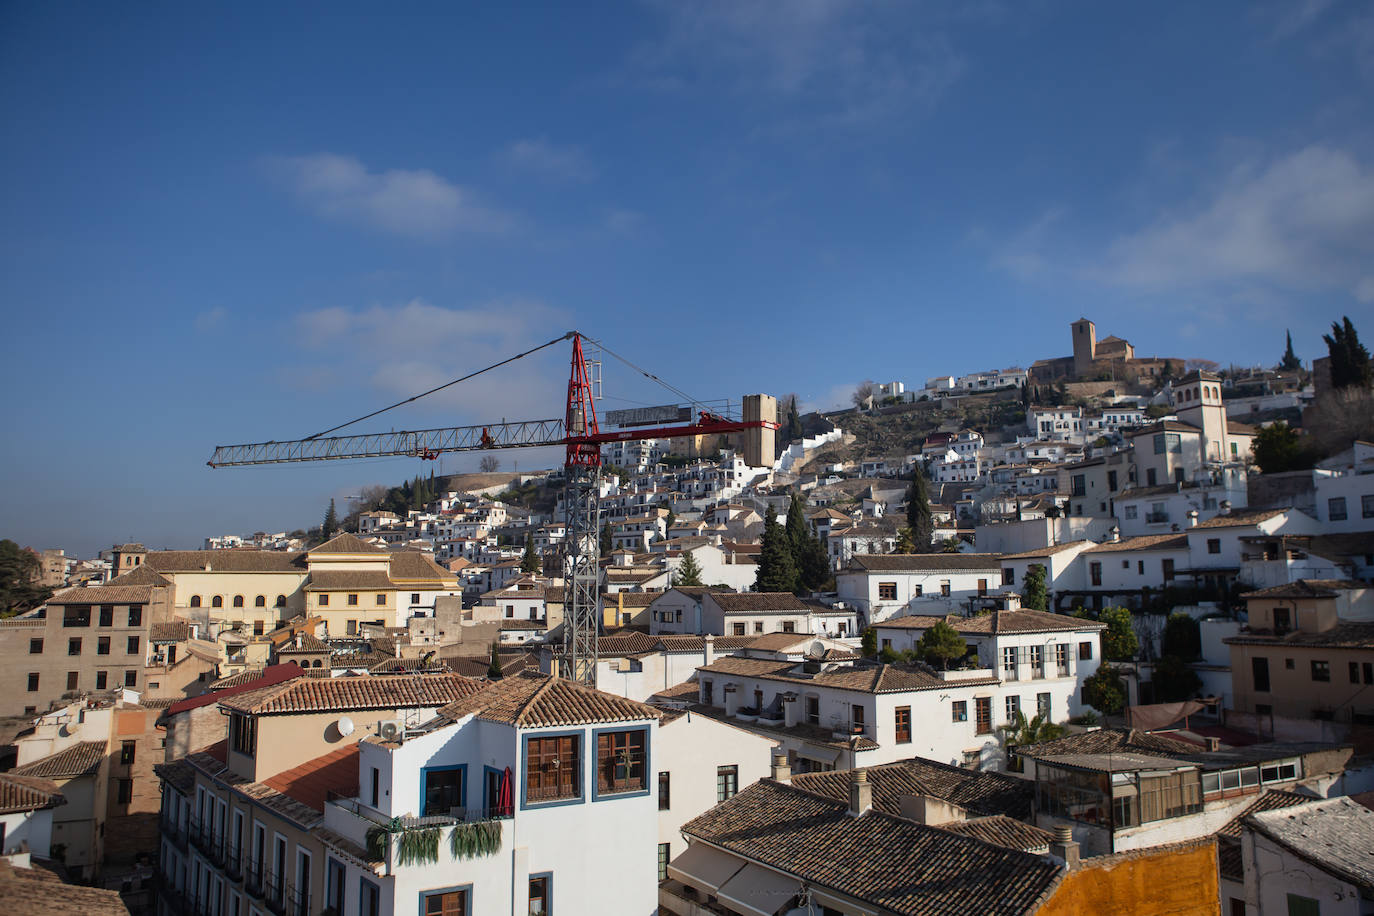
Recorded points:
(252, 882)
(215, 851)
(233, 863)
(200, 835)
(1156, 518)
(274, 892)
(298, 902)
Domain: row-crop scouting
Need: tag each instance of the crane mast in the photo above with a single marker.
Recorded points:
(581, 434)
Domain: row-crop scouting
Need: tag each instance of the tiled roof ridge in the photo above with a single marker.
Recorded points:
(521, 717)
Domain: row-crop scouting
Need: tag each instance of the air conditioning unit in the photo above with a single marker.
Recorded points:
(390, 729)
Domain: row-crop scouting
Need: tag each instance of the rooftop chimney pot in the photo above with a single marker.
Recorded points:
(782, 770)
(1063, 847)
(860, 793)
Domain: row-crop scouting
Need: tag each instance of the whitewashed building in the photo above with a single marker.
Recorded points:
(882, 587)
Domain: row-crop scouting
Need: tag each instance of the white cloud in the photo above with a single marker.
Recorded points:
(850, 59)
(541, 156)
(416, 203)
(402, 350)
(211, 319)
(1301, 222)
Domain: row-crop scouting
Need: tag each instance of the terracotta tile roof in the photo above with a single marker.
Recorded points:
(919, 562)
(251, 680)
(1007, 832)
(418, 566)
(27, 793)
(139, 575)
(343, 542)
(345, 693)
(1144, 542)
(42, 894)
(475, 666)
(778, 642)
(80, 759)
(688, 642)
(178, 774)
(899, 865)
(104, 594)
(338, 580)
(171, 631)
(1272, 800)
(309, 642)
(1044, 551)
(1308, 588)
(758, 602)
(865, 678)
(1241, 519)
(1341, 636)
(631, 599)
(996, 622)
(226, 560)
(1335, 834)
(536, 700)
(310, 782)
(978, 792)
(1108, 741)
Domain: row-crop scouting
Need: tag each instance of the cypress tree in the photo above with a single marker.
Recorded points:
(688, 571)
(1290, 361)
(918, 517)
(530, 563)
(331, 522)
(796, 529)
(1033, 594)
(777, 572)
(1350, 365)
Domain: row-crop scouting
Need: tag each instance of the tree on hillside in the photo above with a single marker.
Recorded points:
(794, 424)
(777, 572)
(688, 571)
(864, 394)
(489, 464)
(940, 645)
(1119, 642)
(868, 642)
(607, 544)
(1290, 361)
(1175, 680)
(20, 569)
(906, 541)
(1278, 448)
(814, 569)
(530, 562)
(1033, 594)
(494, 668)
(797, 530)
(1182, 636)
(918, 517)
(331, 522)
(1350, 365)
(1105, 691)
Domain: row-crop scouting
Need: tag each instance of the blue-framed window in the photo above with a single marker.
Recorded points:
(553, 769)
(622, 761)
(334, 892)
(541, 894)
(443, 788)
(369, 898)
(447, 901)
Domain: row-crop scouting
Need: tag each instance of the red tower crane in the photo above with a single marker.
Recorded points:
(579, 431)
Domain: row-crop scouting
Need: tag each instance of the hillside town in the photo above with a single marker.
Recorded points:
(1017, 641)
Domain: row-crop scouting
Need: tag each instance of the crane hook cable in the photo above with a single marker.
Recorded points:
(368, 416)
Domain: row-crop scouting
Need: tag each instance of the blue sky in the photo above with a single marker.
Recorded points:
(229, 223)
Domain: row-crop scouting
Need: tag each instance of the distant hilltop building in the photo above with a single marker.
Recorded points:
(1092, 357)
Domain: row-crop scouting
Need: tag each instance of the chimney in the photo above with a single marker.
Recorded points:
(1114, 535)
(1192, 518)
(708, 653)
(1213, 744)
(782, 770)
(1225, 507)
(860, 793)
(1063, 847)
(298, 640)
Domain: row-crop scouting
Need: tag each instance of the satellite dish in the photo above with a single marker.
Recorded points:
(345, 726)
(817, 649)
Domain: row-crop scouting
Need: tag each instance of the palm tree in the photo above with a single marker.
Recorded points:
(1022, 731)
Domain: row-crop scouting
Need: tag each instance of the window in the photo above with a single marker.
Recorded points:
(1321, 671)
(126, 791)
(1214, 545)
(959, 711)
(127, 749)
(369, 898)
(887, 591)
(664, 793)
(195, 601)
(1013, 704)
(944, 587)
(982, 587)
(1095, 571)
(903, 724)
(758, 626)
(35, 647)
(451, 903)
(972, 759)
(281, 601)
(813, 711)
(76, 615)
(984, 709)
(1354, 672)
(352, 600)
(737, 629)
(541, 887)
(1151, 477)
(1085, 651)
(727, 782)
(131, 645)
(324, 601)
(243, 736)
(1368, 669)
(1130, 513)
(238, 601)
(102, 680)
(33, 682)
(708, 692)
(1335, 509)
(1367, 505)
(620, 761)
(789, 626)
(1259, 670)
(552, 768)
(107, 615)
(257, 627)
(131, 678)
(1037, 660)
(1042, 706)
(1140, 567)
(1009, 663)
(1299, 905)
(381, 601)
(217, 601)
(663, 855)
(917, 591)
(443, 790)
(72, 680)
(74, 646)
(414, 597)
(1288, 664)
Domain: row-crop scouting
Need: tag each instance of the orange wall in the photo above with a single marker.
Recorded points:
(1168, 881)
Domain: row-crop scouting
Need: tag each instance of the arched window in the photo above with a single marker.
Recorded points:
(238, 601)
(260, 601)
(217, 601)
(281, 601)
(195, 601)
